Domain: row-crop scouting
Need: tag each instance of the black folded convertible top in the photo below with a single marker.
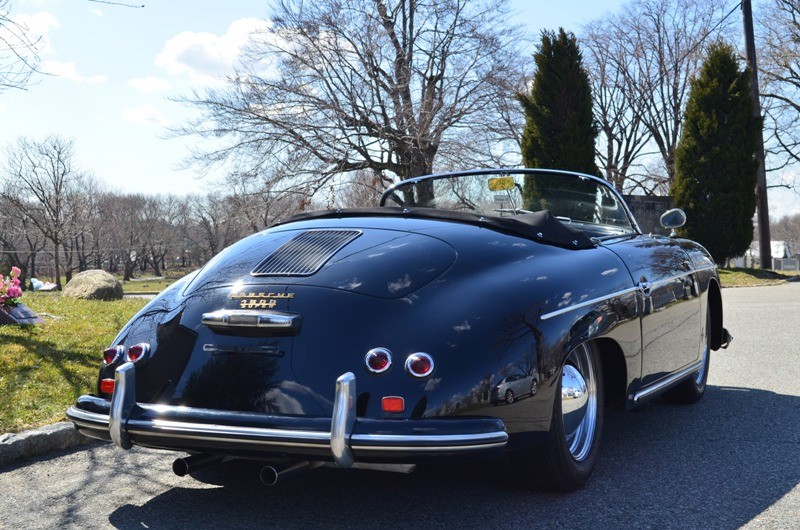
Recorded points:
(539, 226)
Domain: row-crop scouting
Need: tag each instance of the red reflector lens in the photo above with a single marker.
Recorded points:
(107, 386)
(419, 364)
(393, 404)
(378, 360)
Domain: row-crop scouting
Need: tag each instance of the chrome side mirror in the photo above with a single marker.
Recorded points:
(673, 219)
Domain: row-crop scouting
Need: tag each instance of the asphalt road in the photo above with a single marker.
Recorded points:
(732, 460)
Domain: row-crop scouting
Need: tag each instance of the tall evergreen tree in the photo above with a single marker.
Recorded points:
(559, 126)
(715, 166)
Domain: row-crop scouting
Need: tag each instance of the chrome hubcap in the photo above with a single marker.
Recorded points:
(579, 402)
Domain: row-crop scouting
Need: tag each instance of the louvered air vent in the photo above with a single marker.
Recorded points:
(305, 254)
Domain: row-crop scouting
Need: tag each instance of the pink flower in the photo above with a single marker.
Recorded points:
(15, 272)
(14, 291)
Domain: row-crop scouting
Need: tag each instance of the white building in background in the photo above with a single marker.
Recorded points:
(783, 256)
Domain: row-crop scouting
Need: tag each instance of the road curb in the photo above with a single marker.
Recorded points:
(28, 444)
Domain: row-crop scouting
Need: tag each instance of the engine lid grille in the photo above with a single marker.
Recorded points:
(305, 253)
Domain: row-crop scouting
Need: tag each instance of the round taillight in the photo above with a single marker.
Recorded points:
(111, 355)
(137, 352)
(419, 364)
(378, 360)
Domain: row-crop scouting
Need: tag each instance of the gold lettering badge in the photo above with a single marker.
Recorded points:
(262, 295)
(260, 300)
(258, 304)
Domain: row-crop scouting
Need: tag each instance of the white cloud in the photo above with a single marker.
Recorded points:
(146, 115)
(37, 28)
(2, 108)
(149, 84)
(69, 71)
(96, 12)
(205, 57)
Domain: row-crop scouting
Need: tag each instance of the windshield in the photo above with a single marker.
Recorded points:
(584, 203)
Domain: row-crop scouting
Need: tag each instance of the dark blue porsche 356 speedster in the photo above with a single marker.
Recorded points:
(382, 337)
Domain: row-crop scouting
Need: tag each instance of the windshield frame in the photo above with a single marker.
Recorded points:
(392, 190)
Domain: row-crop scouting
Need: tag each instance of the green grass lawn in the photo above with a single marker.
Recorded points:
(753, 277)
(44, 368)
(146, 285)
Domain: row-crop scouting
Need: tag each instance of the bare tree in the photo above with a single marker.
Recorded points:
(159, 230)
(82, 245)
(787, 229)
(643, 60)
(622, 134)
(40, 179)
(779, 64)
(213, 227)
(18, 51)
(363, 190)
(380, 85)
(20, 242)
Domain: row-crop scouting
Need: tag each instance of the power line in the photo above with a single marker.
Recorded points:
(116, 4)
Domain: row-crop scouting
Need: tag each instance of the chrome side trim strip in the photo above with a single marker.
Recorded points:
(586, 303)
(642, 286)
(122, 402)
(659, 385)
(344, 416)
(683, 274)
(706, 268)
(671, 279)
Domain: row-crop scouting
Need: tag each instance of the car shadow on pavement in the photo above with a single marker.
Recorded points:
(718, 464)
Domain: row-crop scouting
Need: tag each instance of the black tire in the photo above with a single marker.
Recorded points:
(509, 397)
(566, 460)
(691, 390)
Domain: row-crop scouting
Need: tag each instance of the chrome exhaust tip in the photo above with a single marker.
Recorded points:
(270, 475)
(185, 465)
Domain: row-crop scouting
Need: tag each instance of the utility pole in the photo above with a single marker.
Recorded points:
(762, 205)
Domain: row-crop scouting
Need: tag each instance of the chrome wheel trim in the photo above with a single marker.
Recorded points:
(579, 402)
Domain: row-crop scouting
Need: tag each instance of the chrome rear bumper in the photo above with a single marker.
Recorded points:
(343, 438)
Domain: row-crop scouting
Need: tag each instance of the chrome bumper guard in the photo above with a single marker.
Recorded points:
(123, 424)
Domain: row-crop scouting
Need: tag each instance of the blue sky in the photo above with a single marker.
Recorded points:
(114, 69)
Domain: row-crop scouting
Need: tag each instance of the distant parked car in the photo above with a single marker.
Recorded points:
(514, 386)
(374, 337)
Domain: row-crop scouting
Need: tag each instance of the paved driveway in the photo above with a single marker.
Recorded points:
(732, 460)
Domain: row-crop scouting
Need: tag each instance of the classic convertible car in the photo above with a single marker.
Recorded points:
(375, 337)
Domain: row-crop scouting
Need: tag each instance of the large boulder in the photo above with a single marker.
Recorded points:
(94, 285)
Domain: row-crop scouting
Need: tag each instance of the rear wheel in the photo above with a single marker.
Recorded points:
(567, 459)
(509, 397)
(691, 390)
